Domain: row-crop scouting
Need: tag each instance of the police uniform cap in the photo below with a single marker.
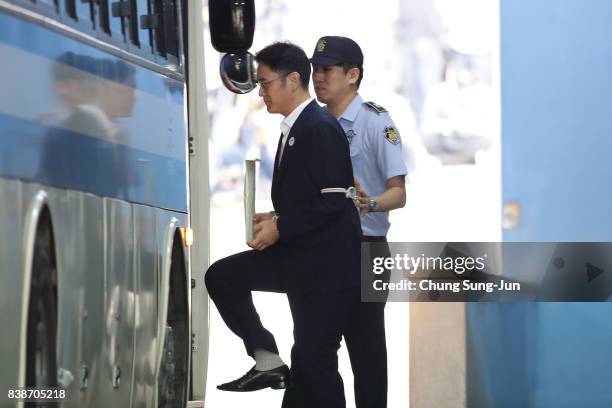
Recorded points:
(334, 50)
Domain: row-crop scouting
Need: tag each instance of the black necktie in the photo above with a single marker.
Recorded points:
(279, 150)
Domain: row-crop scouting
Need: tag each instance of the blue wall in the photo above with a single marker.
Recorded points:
(556, 62)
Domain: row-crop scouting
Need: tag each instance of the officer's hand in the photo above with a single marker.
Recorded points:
(362, 197)
(265, 233)
(357, 185)
(364, 205)
(262, 217)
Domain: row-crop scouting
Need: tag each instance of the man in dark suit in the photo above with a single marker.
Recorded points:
(309, 247)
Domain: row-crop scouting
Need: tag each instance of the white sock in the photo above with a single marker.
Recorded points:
(267, 360)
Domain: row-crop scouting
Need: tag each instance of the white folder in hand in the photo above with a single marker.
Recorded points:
(249, 196)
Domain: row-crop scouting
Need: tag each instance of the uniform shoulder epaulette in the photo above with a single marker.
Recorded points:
(376, 107)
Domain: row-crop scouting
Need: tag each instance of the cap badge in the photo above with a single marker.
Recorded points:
(321, 45)
(291, 141)
(391, 135)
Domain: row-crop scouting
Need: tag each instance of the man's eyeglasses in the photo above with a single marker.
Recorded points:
(265, 85)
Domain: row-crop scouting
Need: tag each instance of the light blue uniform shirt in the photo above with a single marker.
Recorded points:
(376, 155)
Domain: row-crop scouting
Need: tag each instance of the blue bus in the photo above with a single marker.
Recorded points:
(101, 165)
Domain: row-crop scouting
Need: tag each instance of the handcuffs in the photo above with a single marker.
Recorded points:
(350, 192)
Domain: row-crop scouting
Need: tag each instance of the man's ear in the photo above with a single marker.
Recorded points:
(294, 80)
(353, 75)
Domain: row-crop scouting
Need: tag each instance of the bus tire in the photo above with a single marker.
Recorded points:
(172, 389)
(41, 353)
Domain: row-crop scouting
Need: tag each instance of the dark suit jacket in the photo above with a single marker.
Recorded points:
(320, 234)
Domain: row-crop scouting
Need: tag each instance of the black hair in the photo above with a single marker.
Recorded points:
(123, 72)
(77, 67)
(347, 66)
(71, 66)
(285, 58)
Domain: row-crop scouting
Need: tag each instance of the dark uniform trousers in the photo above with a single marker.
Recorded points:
(365, 334)
(319, 321)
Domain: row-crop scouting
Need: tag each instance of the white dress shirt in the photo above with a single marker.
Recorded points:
(288, 122)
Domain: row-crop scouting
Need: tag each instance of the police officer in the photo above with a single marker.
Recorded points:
(378, 166)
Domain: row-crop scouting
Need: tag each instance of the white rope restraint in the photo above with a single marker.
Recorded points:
(350, 192)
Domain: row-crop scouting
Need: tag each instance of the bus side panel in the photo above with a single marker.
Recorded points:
(88, 231)
(79, 244)
(146, 341)
(11, 275)
(67, 216)
(93, 333)
(119, 308)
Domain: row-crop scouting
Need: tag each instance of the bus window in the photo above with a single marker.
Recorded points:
(84, 12)
(156, 22)
(50, 3)
(120, 11)
(169, 17)
(116, 24)
(103, 17)
(131, 20)
(70, 6)
(144, 34)
(164, 20)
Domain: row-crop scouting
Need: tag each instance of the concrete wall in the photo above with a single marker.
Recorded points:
(437, 355)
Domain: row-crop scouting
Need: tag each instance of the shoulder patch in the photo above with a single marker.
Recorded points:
(391, 135)
(376, 107)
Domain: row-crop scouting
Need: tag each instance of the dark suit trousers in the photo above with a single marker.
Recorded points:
(319, 320)
(366, 342)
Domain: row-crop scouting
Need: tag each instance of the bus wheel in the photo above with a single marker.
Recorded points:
(41, 361)
(173, 379)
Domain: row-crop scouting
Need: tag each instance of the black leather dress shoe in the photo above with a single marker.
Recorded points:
(253, 380)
